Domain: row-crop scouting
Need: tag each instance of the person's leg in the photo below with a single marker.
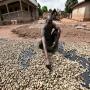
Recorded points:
(55, 35)
(40, 45)
(51, 49)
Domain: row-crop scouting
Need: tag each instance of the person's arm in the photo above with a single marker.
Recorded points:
(57, 36)
(44, 47)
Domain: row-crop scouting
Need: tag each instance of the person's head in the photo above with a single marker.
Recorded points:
(49, 20)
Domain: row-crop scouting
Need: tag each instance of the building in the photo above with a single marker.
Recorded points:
(18, 10)
(81, 11)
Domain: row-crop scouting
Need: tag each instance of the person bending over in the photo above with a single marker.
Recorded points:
(50, 37)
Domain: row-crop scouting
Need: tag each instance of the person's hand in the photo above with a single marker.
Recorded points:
(47, 61)
(53, 45)
(48, 65)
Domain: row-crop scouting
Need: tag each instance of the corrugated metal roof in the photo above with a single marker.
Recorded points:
(1, 0)
(80, 4)
(34, 2)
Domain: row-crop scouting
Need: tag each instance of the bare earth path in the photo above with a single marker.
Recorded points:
(70, 33)
(5, 31)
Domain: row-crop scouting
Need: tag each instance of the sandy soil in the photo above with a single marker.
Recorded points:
(69, 32)
(5, 31)
(32, 31)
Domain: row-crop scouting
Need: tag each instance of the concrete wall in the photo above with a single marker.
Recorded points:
(21, 15)
(87, 12)
(81, 12)
(18, 15)
(26, 16)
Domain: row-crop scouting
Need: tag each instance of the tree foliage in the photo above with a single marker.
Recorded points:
(39, 10)
(44, 9)
(69, 4)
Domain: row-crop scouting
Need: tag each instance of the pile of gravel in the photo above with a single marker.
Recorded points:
(27, 31)
(18, 74)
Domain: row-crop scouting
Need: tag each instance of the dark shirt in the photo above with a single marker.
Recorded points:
(48, 30)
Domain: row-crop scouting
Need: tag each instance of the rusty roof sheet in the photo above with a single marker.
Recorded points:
(34, 2)
(1, 0)
(78, 4)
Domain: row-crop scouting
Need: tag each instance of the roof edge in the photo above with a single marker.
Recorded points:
(34, 2)
(79, 4)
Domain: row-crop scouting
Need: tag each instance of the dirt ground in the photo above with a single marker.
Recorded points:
(5, 31)
(33, 31)
(70, 65)
(69, 32)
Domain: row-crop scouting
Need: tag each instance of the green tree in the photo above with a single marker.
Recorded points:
(69, 4)
(44, 9)
(39, 10)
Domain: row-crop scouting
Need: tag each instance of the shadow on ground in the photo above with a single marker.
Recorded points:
(25, 56)
(72, 55)
(81, 59)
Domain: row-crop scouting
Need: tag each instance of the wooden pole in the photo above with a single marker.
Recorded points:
(21, 9)
(28, 9)
(7, 8)
(21, 5)
(9, 17)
